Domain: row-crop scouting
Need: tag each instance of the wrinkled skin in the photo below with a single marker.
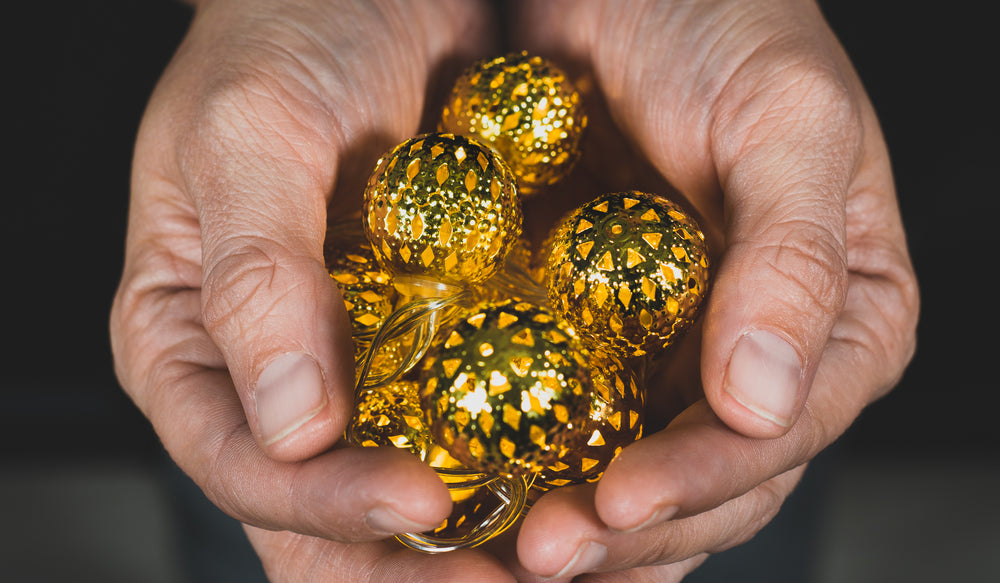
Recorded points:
(232, 340)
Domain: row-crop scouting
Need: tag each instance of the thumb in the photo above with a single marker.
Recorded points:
(782, 281)
(267, 300)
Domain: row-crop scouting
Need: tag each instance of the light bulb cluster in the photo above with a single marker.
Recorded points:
(508, 383)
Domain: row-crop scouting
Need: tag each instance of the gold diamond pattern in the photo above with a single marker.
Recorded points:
(413, 168)
(391, 416)
(625, 295)
(368, 320)
(512, 416)
(367, 292)
(427, 256)
(527, 109)
(433, 214)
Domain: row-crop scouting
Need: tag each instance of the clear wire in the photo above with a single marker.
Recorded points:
(512, 493)
(420, 317)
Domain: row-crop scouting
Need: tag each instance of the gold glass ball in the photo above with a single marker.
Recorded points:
(390, 415)
(628, 271)
(526, 108)
(367, 290)
(615, 421)
(507, 389)
(443, 207)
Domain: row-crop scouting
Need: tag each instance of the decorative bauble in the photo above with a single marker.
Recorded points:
(367, 290)
(390, 415)
(526, 108)
(442, 207)
(628, 271)
(507, 389)
(615, 421)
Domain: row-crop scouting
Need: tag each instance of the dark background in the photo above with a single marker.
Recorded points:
(78, 75)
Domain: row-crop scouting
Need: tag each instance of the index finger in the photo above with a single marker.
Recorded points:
(179, 379)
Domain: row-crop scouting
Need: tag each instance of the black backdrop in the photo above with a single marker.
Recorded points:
(77, 75)
(77, 78)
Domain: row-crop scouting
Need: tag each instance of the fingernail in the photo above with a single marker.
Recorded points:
(385, 520)
(289, 393)
(589, 556)
(764, 376)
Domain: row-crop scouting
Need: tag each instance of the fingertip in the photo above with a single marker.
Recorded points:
(534, 547)
(408, 496)
(561, 534)
(628, 517)
(627, 501)
(758, 358)
(355, 494)
(388, 521)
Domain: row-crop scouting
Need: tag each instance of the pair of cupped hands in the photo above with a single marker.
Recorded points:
(231, 338)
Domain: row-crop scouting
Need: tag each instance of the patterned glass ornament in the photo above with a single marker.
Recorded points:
(390, 415)
(442, 207)
(628, 271)
(506, 389)
(526, 108)
(615, 421)
(367, 290)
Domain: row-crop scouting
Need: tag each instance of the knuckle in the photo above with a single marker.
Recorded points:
(805, 87)
(239, 288)
(764, 503)
(797, 105)
(220, 117)
(145, 293)
(900, 310)
(666, 549)
(269, 103)
(240, 82)
(817, 428)
(882, 332)
(730, 524)
(806, 268)
(817, 83)
(879, 327)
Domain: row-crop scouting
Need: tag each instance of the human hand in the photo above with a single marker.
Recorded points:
(227, 331)
(752, 111)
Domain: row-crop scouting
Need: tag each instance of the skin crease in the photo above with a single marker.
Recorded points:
(748, 113)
